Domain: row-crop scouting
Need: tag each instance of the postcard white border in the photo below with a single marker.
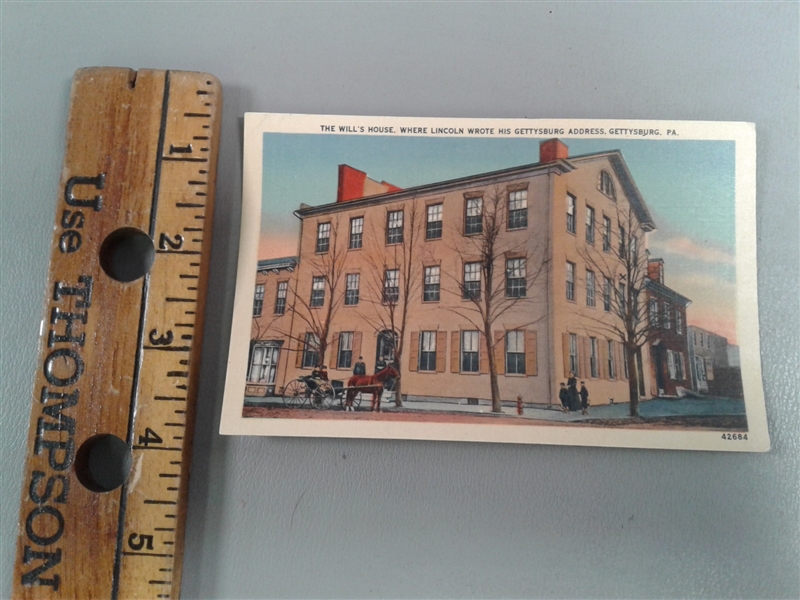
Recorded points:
(744, 136)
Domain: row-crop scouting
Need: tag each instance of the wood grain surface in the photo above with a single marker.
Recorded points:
(120, 357)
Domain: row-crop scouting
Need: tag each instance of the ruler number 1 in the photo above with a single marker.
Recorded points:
(165, 242)
(150, 437)
(137, 541)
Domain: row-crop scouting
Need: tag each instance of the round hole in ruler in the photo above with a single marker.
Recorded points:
(103, 463)
(127, 254)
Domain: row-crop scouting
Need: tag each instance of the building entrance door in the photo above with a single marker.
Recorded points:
(658, 356)
(384, 353)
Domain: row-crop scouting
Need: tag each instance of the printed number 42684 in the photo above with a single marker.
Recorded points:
(734, 436)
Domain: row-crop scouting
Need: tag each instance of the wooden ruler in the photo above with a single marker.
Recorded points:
(109, 446)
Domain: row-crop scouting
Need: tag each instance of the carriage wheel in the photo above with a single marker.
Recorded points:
(322, 397)
(295, 394)
(356, 399)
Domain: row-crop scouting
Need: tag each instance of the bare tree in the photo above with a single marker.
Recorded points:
(316, 310)
(621, 263)
(508, 272)
(394, 276)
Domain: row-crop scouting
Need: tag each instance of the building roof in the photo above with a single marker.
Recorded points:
(559, 166)
(666, 292)
(286, 263)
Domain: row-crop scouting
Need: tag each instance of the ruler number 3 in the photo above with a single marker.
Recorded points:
(137, 542)
(161, 340)
(165, 242)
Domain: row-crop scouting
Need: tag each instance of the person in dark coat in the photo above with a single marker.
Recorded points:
(564, 397)
(584, 393)
(360, 368)
(574, 399)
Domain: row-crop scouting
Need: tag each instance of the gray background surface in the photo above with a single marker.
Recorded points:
(349, 518)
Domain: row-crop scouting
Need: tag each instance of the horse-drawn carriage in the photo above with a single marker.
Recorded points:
(321, 394)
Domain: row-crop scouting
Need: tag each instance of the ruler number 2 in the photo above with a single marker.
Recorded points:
(137, 541)
(165, 242)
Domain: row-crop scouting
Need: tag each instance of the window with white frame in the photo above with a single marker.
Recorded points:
(473, 217)
(472, 281)
(612, 363)
(351, 292)
(394, 227)
(323, 237)
(571, 203)
(653, 313)
(427, 351)
(606, 185)
(518, 209)
(310, 351)
(515, 278)
(356, 233)
(280, 297)
(623, 299)
(678, 321)
(671, 364)
(666, 311)
(607, 288)
(573, 353)
(264, 363)
(594, 363)
(590, 288)
(258, 300)
(431, 286)
(570, 280)
(317, 291)
(606, 234)
(515, 352)
(433, 226)
(590, 224)
(345, 358)
(391, 286)
(469, 351)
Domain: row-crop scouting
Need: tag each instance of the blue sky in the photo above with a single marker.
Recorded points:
(688, 186)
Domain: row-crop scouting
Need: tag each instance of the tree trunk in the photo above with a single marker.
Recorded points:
(497, 406)
(398, 398)
(633, 381)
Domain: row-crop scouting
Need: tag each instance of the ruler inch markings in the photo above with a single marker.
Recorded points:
(134, 140)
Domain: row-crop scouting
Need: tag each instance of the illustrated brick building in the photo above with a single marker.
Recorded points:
(359, 258)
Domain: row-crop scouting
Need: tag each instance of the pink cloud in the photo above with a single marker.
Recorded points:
(683, 246)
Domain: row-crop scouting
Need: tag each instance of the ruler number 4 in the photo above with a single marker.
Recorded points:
(137, 541)
(165, 242)
(150, 437)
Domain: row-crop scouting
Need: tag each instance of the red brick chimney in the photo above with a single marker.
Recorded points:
(655, 269)
(553, 149)
(351, 183)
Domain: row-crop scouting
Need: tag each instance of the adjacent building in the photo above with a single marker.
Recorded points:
(713, 371)
(669, 341)
(542, 304)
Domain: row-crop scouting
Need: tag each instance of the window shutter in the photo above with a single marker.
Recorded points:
(441, 351)
(500, 351)
(531, 362)
(483, 355)
(334, 351)
(413, 355)
(622, 358)
(356, 346)
(565, 352)
(298, 361)
(455, 347)
(602, 356)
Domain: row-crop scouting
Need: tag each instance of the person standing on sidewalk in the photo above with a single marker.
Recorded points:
(584, 399)
(360, 368)
(563, 396)
(572, 393)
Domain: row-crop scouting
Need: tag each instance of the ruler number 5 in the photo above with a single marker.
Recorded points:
(165, 242)
(137, 542)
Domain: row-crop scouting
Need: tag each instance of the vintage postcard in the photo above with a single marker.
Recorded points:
(506, 280)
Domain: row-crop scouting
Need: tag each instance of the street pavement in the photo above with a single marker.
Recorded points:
(658, 407)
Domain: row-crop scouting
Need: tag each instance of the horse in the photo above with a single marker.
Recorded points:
(369, 384)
